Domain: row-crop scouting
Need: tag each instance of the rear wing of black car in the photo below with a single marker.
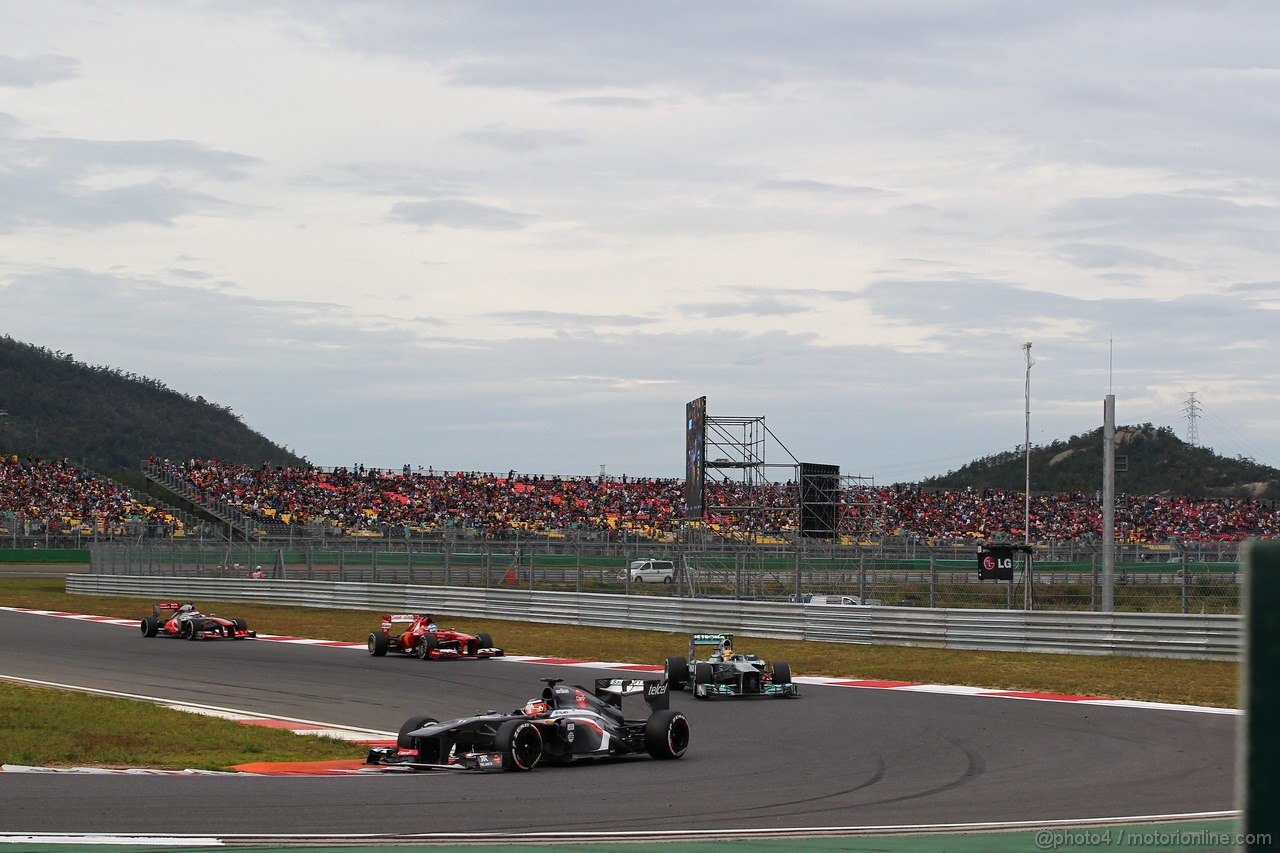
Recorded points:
(611, 690)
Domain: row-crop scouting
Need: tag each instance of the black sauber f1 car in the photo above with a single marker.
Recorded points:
(562, 726)
(713, 669)
(172, 619)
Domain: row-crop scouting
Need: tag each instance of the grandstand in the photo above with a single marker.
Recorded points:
(385, 503)
(57, 499)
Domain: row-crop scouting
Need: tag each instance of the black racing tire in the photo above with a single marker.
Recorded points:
(426, 644)
(485, 641)
(150, 626)
(240, 624)
(676, 672)
(520, 744)
(403, 741)
(379, 642)
(702, 674)
(782, 673)
(666, 734)
(471, 648)
(187, 630)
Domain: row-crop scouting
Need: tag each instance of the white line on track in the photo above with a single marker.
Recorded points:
(634, 835)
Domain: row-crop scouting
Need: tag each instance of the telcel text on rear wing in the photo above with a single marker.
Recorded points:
(611, 691)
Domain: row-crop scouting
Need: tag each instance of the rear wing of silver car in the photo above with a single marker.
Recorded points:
(611, 690)
(701, 646)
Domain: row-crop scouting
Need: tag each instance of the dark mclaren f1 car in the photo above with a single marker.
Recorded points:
(563, 725)
(172, 619)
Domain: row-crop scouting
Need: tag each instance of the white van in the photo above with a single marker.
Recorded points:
(848, 600)
(650, 571)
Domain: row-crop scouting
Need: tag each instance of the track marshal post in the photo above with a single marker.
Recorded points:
(1258, 752)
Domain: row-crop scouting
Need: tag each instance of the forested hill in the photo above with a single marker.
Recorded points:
(55, 407)
(1149, 460)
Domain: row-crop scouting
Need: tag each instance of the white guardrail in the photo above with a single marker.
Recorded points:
(1143, 634)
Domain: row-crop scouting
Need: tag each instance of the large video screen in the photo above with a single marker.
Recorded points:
(819, 500)
(695, 445)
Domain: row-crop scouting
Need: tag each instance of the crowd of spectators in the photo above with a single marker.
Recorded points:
(995, 513)
(46, 495)
(360, 499)
(40, 496)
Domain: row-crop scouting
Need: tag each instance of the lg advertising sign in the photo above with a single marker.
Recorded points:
(995, 563)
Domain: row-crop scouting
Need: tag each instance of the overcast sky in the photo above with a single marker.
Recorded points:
(494, 235)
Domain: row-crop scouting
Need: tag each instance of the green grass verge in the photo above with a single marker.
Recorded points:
(1194, 682)
(57, 728)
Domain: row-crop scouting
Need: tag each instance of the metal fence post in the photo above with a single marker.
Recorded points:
(1186, 577)
(799, 581)
(862, 576)
(933, 581)
(1093, 582)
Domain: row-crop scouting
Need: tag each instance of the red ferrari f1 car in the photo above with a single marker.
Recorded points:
(418, 635)
(173, 619)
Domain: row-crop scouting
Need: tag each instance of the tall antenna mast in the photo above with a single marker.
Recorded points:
(1111, 361)
(1192, 411)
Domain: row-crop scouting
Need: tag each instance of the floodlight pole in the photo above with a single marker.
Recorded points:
(1109, 504)
(1027, 598)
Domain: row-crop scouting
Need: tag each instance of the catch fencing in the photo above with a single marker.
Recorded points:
(1138, 634)
(905, 574)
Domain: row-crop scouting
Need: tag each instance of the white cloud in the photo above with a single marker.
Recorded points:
(523, 235)
(458, 213)
(32, 71)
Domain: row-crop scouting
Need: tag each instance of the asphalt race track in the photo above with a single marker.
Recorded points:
(837, 757)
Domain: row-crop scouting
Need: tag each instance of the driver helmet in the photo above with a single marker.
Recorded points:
(535, 708)
(186, 608)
